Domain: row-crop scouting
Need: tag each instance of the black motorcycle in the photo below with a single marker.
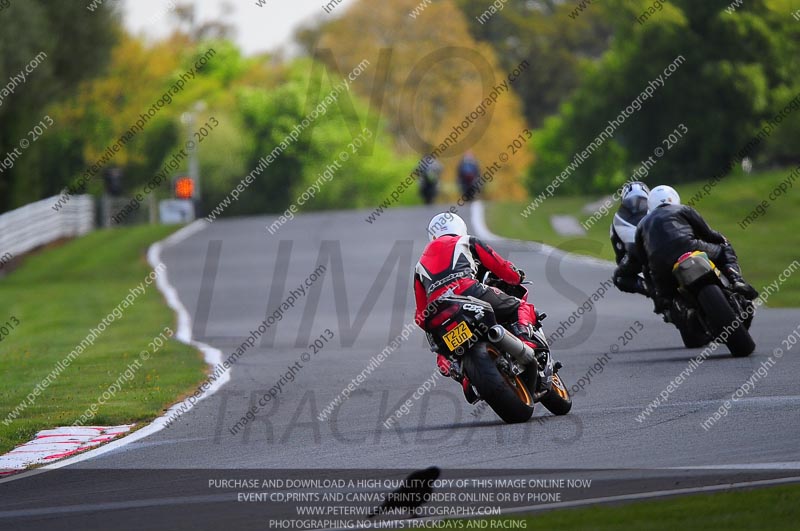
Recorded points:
(429, 176)
(706, 307)
(428, 189)
(503, 371)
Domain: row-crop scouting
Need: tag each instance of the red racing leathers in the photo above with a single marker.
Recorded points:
(452, 263)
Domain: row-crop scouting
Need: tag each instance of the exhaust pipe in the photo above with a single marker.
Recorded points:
(511, 344)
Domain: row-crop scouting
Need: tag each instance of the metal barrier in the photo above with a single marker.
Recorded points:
(37, 224)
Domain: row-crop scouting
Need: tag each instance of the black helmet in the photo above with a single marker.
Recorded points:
(634, 198)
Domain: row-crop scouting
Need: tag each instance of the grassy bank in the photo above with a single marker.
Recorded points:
(776, 508)
(57, 296)
(765, 246)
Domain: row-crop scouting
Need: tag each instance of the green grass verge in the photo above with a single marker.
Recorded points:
(775, 508)
(58, 295)
(765, 247)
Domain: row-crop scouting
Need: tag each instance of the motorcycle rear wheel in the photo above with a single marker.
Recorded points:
(719, 315)
(509, 398)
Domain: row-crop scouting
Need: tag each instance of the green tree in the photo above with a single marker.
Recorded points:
(76, 44)
(726, 84)
(270, 116)
(431, 75)
(139, 75)
(548, 35)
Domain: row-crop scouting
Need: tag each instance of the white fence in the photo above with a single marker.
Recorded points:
(37, 224)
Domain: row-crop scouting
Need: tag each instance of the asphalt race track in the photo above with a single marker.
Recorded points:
(229, 276)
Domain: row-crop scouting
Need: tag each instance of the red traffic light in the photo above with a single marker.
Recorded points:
(184, 188)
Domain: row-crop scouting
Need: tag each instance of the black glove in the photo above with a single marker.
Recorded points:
(521, 274)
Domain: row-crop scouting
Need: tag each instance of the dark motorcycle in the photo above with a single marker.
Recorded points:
(503, 371)
(428, 189)
(706, 306)
(429, 173)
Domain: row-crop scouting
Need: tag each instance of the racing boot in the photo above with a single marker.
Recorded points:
(443, 364)
(739, 285)
(447, 368)
(662, 306)
(469, 392)
(527, 334)
(527, 322)
(641, 287)
(734, 273)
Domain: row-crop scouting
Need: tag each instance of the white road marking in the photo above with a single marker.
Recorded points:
(183, 334)
(58, 443)
(789, 465)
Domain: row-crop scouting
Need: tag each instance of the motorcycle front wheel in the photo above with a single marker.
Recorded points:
(693, 335)
(557, 400)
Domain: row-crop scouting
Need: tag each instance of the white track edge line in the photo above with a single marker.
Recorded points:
(211, 355)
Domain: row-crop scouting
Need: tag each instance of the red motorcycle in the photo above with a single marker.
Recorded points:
(503, 371)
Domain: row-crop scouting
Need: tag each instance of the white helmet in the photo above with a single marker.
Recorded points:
(446, 223)
(662, 195)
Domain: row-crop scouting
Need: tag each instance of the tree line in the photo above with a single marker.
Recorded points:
(94, 81)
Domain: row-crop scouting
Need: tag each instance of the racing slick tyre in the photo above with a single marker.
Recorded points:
(693, 335)
(720, 316)
(557, 400)
(507, 396)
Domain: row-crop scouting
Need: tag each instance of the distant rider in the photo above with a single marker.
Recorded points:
(670, 230)
(450, 264)
(468, 174)
(632, 209)
(429, 171)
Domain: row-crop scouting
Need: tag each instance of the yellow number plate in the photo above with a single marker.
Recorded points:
(457, 336)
